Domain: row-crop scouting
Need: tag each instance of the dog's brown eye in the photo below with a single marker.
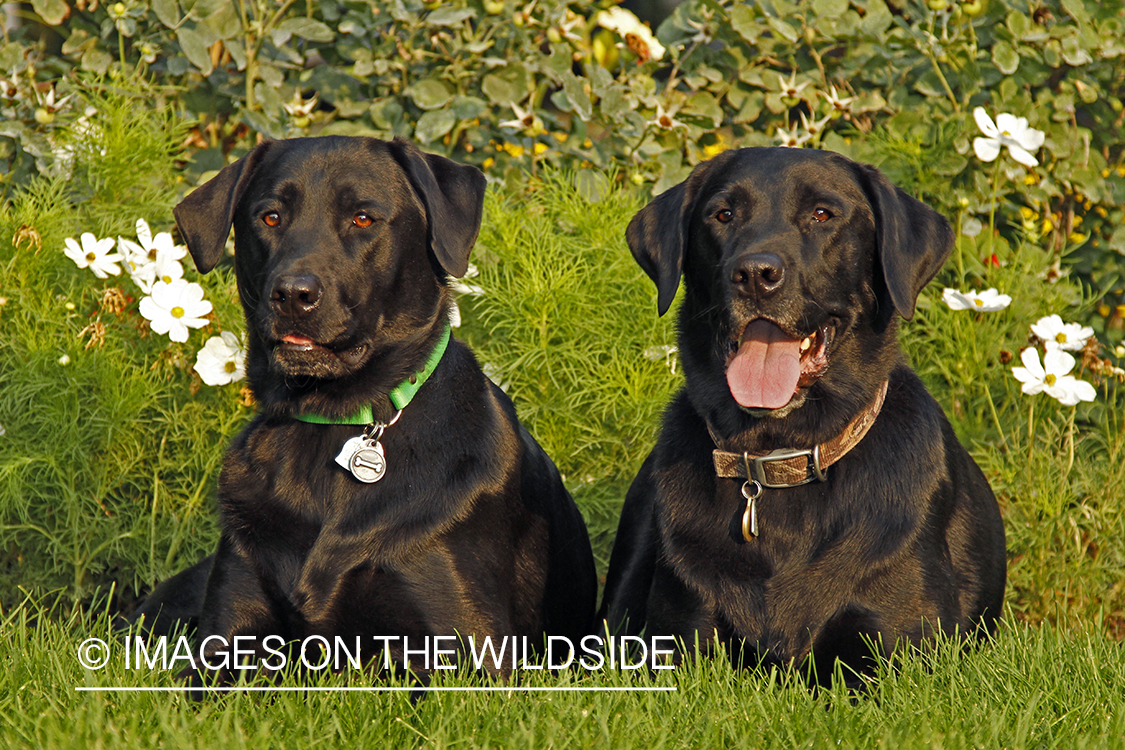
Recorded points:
(821, 214)
(725, 215)
(271, 219)
(362, 220)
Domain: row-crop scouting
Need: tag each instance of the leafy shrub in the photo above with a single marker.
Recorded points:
(110, 448)
(508, 86)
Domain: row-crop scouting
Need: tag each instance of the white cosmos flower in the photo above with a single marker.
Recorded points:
(989, 300)
(463, 287)
(638, 37)
(1059, 335)
(174, 308)
(1010, 131)
(221, 360)
(167, 269)
(94, 254)
(142, 274)
(155, 258)
(1052, 377)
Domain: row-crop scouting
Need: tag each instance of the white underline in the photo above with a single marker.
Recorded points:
(254, 689)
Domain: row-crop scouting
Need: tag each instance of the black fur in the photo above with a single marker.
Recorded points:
(905, 536)
(471, 531)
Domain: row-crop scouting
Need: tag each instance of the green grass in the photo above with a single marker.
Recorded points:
(1033, 687)
(108, 465)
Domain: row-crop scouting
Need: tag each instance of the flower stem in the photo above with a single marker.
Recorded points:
(995, 416)
(960, 249)
(1030, 435)
(1070, 443)
(992, 214)
(121, 52)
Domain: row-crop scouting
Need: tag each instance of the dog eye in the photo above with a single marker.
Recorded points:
(271, 218)
(724, 216)
(362, 220)
(821, 214)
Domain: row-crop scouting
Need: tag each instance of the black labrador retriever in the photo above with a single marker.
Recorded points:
(807, 499)
(385, 488)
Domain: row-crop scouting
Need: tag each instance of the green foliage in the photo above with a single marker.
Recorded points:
(1030, 688)
(1058, 471)
(110, 449)
(509, 85)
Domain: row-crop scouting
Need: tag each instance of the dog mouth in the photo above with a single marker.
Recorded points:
(768, 366)
(294, 343)
(299, 354)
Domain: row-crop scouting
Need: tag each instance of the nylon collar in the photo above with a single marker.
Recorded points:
(401, 395)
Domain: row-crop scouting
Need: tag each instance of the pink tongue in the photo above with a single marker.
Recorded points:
(764, 372)
(298, 340)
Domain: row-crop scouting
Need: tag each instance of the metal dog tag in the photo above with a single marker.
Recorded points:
(369, 464)
(363, 458)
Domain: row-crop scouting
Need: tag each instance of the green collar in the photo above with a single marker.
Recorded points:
(400, 396)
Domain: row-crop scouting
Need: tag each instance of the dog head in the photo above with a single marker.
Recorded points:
(794, 263)
(342, 251)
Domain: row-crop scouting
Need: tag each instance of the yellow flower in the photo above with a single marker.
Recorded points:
(514, 149)
(540, 148)
(561, 136)
(1027, 213)
(715, 148)
(487, 163)
(1078, 238)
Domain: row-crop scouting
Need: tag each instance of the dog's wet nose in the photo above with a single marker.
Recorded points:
(295, 295)
(758, 275)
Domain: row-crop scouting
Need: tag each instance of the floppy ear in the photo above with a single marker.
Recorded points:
(912, 242)
(205, 215)
(453, 195)
(658, 233)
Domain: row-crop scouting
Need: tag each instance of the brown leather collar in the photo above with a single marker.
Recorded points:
(791, 467)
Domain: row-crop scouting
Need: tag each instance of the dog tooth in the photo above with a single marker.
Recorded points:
(805, 344)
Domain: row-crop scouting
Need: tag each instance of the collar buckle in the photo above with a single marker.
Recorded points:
(756, 466)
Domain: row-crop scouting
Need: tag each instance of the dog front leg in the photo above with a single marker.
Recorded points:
(240, 628)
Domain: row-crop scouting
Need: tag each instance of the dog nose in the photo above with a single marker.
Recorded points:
(295, 295)
(758, 275)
